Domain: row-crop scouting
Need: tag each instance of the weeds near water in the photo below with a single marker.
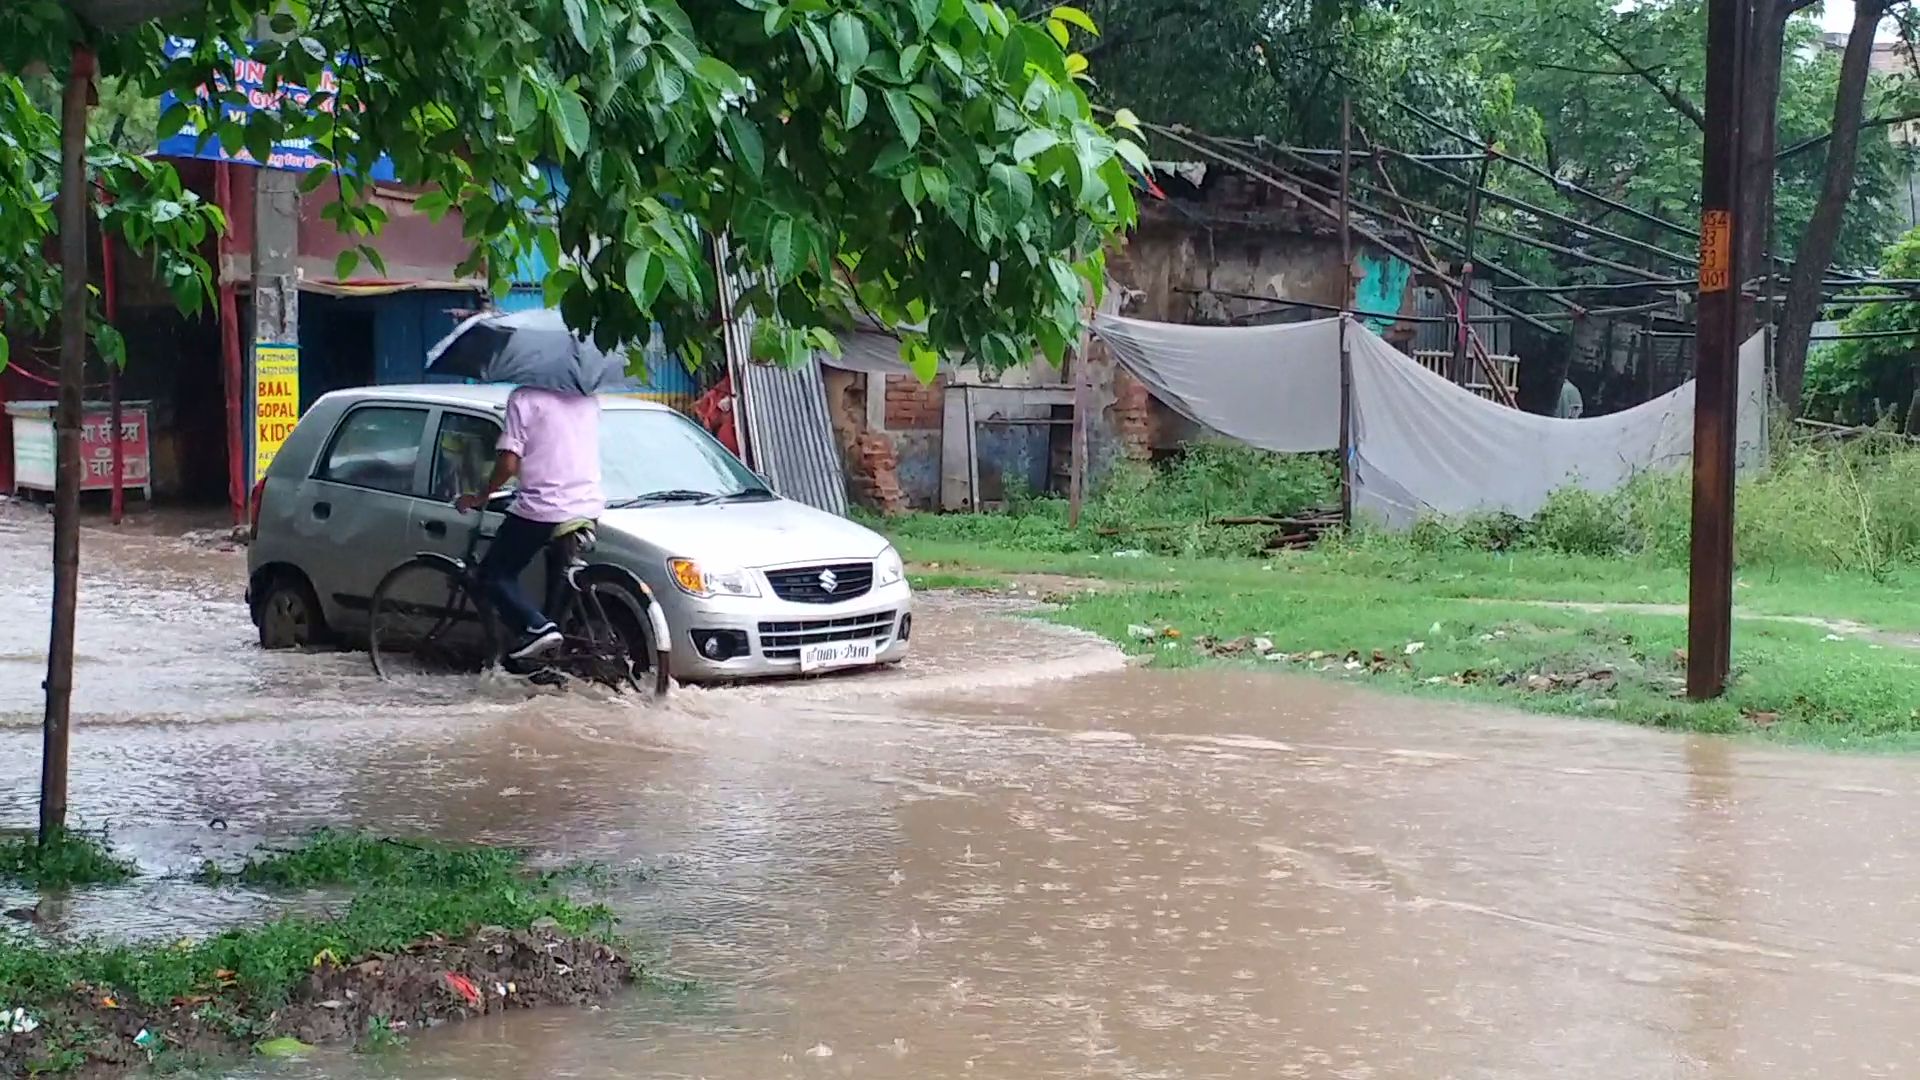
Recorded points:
(332, 857)
(407, 892)
(382, 1037)
(67, 860)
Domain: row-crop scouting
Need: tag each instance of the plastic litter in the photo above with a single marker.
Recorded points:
(16, 1021)
(464, 987)
(1130, 553)
(147, 1040)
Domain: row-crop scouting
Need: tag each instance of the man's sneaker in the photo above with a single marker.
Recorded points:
(538, 641)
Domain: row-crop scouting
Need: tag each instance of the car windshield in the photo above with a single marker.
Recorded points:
(650, 456)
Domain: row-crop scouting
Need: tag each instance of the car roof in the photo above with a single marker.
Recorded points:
(492, 396)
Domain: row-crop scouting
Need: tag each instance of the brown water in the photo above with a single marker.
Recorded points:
(1017, 859)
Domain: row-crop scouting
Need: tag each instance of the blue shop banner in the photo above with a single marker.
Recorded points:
(248, 77)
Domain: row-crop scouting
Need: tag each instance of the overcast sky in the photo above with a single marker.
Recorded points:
(1837, 16)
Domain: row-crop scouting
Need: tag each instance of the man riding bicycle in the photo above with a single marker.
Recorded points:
(552, 444)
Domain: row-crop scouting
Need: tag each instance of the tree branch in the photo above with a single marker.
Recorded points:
(1681, 104)
(1870, 122)
(1191, 9)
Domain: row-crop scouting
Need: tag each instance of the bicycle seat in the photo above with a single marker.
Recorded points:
(573, 538)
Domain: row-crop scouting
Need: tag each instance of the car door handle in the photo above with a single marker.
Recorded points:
(435, 529)
(322, 510)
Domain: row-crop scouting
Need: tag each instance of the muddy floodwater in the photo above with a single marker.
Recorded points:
(1017, 858)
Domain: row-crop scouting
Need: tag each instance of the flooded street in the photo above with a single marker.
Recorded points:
(1017, 858)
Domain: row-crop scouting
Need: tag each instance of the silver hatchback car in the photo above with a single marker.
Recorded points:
(752, 585)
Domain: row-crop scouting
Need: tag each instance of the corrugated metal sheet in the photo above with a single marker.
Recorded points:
(1497, 336)
(789, 433)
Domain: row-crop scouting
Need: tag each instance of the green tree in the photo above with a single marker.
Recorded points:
(1859, 380)
(933, 163)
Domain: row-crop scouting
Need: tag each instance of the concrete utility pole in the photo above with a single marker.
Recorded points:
(1716, 359)
(276, 280)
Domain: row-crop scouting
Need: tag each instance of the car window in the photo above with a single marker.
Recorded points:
(647, 450)
(377, 447)
(463, 455)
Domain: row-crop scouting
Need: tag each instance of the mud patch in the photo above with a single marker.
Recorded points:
(428, 984)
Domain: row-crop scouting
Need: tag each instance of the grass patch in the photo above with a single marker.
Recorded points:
(68, 860)
(234, 986)
(937, 580)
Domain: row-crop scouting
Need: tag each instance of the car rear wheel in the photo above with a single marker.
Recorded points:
(290, 615)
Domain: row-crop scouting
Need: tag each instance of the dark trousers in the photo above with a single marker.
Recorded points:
(513, 547)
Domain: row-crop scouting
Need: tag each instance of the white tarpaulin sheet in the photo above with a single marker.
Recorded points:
(1421, 445)
(1274, 387)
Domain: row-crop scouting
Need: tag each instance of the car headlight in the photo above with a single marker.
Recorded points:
(888, 569)
(700, 579)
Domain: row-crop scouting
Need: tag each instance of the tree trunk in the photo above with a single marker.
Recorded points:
(1759, 126)
(1829, 213)
(66, 500)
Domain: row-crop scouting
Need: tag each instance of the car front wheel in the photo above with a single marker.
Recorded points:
(289, 615)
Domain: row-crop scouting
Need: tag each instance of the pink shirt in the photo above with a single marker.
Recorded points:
(558, 439)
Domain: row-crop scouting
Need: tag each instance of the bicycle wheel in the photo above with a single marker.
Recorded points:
(426, 620)
(609, 640)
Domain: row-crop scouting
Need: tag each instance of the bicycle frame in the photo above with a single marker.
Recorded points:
(566, 566)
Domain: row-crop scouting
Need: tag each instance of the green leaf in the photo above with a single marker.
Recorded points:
(112, 346)
(560, 281)
(910, 60)
(936, 183)
(891, 158)
(904, 118)
(570, 114)
(434, 204)
(373, 257)
(669, 82)
(920, 357)
(924, 13)
(1073, 16)
(549, 243)
(1012, 62)
(1031, 144)
(743, 138)
(577, 22)
(1125, 120)
(849, 34)
(780, 243)
(6, 351)
(345, 263)
(173, 120)
(522, 109)
(853, 105)
(639, 266)
(1059, 31)
(950, 57)
(717, 72)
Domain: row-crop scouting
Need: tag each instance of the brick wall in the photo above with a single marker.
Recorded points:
(873, 472)
(913, 405)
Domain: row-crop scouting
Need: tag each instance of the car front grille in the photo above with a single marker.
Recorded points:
(810, 584)
(783, 640)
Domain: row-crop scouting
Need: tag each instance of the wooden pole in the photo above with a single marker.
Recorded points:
(1716, 361)
(1346, 309)
(74, 213)
(109, 302)
(1082, 404)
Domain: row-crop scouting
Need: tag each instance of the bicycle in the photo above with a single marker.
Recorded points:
(431, 615)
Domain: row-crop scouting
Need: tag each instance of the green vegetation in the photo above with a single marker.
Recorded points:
(68, 860)
(1477, 609)
(1173, 510)
(402, 893)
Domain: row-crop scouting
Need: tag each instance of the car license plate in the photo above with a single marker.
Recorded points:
(837, 654)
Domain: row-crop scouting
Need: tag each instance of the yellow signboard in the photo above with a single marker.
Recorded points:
(276, 400)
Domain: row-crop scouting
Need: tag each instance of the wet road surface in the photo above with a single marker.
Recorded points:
(1016, 858)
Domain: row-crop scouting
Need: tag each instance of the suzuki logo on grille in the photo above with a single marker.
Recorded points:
(828, 581)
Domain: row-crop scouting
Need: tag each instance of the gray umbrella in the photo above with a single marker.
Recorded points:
(527, 348)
